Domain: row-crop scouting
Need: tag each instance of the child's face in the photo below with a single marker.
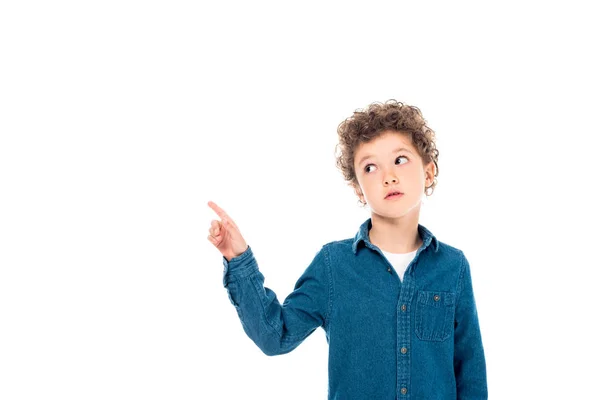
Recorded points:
(386, 168)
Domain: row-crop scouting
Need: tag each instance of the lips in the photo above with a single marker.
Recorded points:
(393, 194)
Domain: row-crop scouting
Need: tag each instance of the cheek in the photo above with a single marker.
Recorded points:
(414, 178)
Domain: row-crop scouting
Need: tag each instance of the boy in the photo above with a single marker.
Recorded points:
(396, 304)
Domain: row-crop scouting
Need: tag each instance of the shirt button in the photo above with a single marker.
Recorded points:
(403, 350)
(403, 390)
(403, 308)
(389, 269)
(436, 298)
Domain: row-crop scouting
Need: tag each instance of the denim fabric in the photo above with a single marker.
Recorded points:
(415, 339)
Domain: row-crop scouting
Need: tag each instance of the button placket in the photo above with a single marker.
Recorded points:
(407, 291)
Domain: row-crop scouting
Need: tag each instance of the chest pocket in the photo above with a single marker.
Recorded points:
(434, 315)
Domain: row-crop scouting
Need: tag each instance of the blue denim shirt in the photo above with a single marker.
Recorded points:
(418, 338)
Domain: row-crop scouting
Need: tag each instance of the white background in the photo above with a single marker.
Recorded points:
(120, 120)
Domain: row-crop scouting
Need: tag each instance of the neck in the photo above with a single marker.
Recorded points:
(395, 235)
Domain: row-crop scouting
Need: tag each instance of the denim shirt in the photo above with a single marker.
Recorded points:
(418, 338)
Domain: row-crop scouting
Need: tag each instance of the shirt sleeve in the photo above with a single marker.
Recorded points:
(278, 328)
(469, 358)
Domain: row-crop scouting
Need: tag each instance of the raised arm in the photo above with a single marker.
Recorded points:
(278, 328)
(275, 328)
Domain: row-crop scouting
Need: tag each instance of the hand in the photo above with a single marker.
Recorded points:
(225, 234)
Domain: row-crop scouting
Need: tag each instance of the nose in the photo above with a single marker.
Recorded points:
(390, 178)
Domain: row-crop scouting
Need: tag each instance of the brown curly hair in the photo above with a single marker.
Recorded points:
(365, 125)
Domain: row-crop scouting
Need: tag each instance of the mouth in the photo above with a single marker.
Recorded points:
(394, 195)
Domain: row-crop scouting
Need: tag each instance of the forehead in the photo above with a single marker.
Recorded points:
(384, 145)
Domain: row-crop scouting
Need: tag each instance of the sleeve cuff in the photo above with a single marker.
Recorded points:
(239, 266)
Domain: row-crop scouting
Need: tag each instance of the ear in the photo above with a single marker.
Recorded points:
(358, 191)
(429, 173)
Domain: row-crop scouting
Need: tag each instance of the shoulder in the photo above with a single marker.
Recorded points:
(446, 257)
(455, 259)
(449, 250)
(339, 244)
(334, 249)
(339, 248)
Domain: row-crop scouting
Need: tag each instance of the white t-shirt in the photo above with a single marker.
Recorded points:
(400, 261)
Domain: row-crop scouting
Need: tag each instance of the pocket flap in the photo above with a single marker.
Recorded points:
(436, 299)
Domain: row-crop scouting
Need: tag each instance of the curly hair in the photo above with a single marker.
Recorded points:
(365, 125)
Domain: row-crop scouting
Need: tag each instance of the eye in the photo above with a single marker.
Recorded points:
(372, 165)
(406, 158)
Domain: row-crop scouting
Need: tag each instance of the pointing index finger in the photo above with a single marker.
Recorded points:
(217, 209)
(220, 212)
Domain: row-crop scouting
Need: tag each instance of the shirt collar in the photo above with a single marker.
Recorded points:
(363, 235)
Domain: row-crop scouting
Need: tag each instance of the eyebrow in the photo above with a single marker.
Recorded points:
(393, 152)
